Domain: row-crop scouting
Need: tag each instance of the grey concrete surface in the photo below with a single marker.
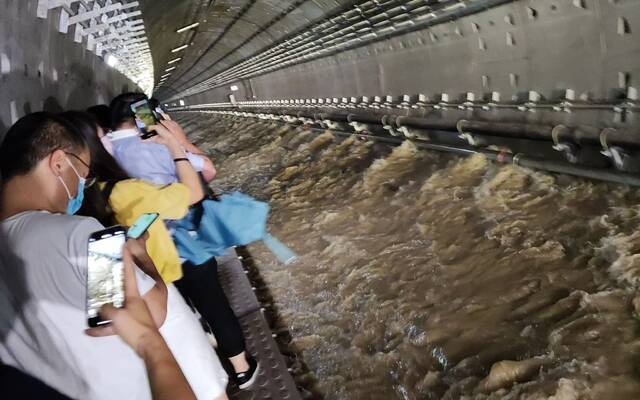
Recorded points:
(42, 69)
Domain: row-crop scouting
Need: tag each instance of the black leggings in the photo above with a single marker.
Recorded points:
(201, 286)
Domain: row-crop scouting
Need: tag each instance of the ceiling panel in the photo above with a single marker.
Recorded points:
(229, 31)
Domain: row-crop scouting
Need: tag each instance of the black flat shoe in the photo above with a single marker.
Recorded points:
(245, 379)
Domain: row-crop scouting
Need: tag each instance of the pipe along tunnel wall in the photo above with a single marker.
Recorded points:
(560, 75)
(546, 46)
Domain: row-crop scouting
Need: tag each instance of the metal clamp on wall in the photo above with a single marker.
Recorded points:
(622, 160)
(413, 128)
(568, 149)
(389, 124)
(363, 123)
(473, 140)
(516, 159)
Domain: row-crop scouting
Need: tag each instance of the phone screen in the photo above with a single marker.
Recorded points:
(141, 225)
(105, 280)
(145, 117)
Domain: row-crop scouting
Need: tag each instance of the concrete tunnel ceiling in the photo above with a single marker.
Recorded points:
(229, 31)
(444, 49)
(235, 32)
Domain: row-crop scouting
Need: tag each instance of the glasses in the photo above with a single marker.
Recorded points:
(89, 180)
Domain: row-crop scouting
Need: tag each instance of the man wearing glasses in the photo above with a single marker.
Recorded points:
(44, 165)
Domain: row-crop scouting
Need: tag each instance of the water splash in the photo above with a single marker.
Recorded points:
(422, 274)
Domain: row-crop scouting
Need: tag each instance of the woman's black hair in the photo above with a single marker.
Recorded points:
(102, 114)
(153, 103)
(103, 167)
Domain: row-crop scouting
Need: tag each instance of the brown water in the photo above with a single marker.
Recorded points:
(429, 276)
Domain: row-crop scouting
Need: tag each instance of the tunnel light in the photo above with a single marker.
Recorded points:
(175, 60)
(169, 69)
(234, 88)
(111, 60)
(177, 49)
(186, 28)
(164, 76)
(182, 102)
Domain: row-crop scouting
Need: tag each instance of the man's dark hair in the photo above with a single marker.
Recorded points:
(153, 102)
(33, 138)
(102, 114)
(121, 108)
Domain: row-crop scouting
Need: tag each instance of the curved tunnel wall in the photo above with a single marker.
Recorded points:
(546, 46)
(43, 69)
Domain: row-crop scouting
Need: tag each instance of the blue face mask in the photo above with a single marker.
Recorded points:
(74, 203)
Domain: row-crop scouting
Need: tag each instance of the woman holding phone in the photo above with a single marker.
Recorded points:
(119, 199)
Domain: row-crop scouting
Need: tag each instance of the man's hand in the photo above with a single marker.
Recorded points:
(177, 131)
(138, 247)
(135, 326)
(133, 323)
(165, 137)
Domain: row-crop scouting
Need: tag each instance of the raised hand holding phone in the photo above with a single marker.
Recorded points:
(145, 117)
(164, 136)
(134, 254)
(134, 324)
(133, 321)
(141, 225)
(104, 272)
(176, 130)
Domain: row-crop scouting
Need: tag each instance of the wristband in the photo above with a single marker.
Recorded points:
(175, 160)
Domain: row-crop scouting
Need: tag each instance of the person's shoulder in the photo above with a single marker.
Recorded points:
(141, 184)
(64, 221)
(147, 145)
(47, 227)
(132, 185)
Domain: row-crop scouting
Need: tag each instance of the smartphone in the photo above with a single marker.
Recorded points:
(105, 275)
(145, 117)
(141, 225)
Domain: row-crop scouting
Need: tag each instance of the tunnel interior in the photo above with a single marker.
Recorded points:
(458, 177)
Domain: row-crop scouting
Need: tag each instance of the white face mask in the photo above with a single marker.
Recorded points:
(106, 142)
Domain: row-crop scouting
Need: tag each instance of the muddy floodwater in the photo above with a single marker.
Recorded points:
(424, 275)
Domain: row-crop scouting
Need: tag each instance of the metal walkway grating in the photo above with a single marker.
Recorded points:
(274, 381)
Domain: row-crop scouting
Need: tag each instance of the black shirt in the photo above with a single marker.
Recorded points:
(15, 384)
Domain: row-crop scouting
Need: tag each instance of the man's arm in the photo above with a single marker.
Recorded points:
(165, 376)
(156, 297)
(208, 170)
(184, 170)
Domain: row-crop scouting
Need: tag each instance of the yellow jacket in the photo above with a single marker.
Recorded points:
(132, 197)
